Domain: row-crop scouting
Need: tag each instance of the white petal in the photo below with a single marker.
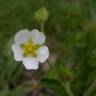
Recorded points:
(42, 54)
(37, 37)
(31, 63)
(18, 53)
(22, 36)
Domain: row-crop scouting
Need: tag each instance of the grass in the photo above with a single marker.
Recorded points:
(70, 32)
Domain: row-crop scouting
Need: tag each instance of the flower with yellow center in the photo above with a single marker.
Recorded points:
(29, 47)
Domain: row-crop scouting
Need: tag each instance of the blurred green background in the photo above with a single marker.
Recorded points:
(71, 33)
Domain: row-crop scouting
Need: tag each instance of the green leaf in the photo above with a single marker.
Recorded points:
(54, 85)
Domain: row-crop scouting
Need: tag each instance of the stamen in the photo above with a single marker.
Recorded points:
(29, 49)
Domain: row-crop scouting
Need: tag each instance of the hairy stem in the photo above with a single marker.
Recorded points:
(68, 89)
(90, 89)
(66, 85)
(42, 27)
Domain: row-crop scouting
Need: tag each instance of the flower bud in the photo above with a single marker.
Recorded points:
(41, 15)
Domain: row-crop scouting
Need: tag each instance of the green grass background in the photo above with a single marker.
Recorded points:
(71, 34)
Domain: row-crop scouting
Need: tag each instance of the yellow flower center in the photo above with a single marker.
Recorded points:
(29, 49)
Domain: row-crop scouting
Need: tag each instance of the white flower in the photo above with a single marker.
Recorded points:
(30, 49)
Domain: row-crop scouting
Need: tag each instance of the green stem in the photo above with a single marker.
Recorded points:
(42, 27)
(90, 89)
(65, 85)
(68, 89)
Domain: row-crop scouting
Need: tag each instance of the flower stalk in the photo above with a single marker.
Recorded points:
(42, 27)
(90, 89)
(68, 89)
(66, 85)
